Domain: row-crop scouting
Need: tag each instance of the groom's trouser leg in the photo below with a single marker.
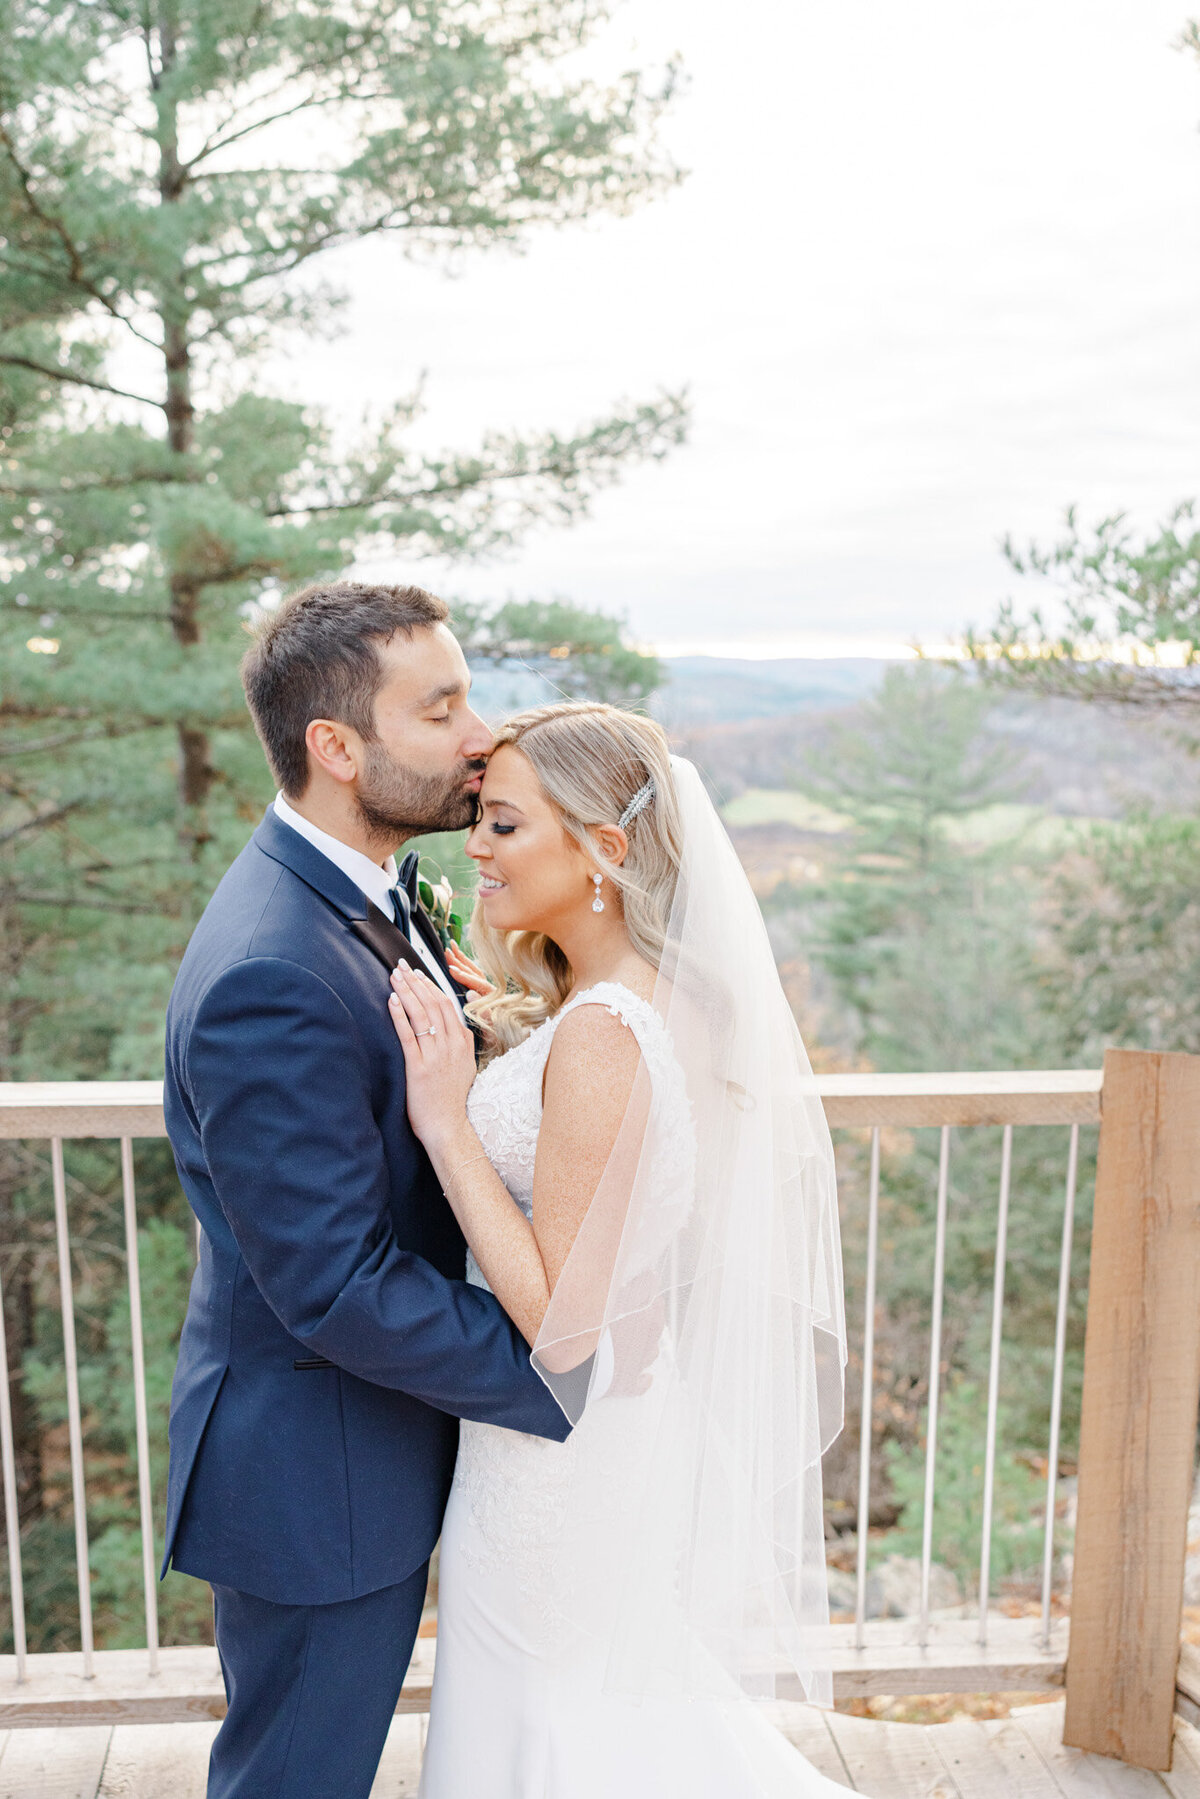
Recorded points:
(311, 1691)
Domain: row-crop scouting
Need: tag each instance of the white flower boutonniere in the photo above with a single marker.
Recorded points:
(437, 899)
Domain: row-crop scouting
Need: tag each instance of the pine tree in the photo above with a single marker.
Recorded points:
(1127, 630)
(928, 941)
(166, 170)
(170, 172)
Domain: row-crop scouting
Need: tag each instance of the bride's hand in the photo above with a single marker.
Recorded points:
(439, 1054)
(468, 974)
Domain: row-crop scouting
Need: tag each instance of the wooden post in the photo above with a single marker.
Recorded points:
(1141, 1389)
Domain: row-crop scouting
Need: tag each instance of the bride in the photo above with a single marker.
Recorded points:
(644, 1176)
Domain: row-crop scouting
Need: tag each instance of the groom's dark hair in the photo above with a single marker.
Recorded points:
(317, 656)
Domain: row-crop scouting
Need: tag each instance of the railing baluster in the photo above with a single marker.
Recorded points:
(1060, 1348)
(12, 1517)
(866, 1416)
(989, 1459)
(74, 1420)
(145, 1504)
(935, 1367)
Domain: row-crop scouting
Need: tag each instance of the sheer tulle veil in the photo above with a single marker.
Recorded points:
(697, 1333)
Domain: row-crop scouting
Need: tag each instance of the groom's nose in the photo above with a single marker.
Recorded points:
(477, 738)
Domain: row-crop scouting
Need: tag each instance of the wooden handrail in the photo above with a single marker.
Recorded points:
(81, 1109)
(40, 1109)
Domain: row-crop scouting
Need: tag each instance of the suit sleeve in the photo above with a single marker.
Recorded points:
(277, 1075)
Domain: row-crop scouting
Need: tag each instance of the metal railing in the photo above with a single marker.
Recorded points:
(55, 1112)
(993, 1390)
(949, 1101)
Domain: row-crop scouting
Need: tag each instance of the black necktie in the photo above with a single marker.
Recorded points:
(404, 893)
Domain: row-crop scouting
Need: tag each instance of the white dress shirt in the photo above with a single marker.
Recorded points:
(374, 879)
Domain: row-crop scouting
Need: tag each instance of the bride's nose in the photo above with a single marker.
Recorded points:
(476, 845)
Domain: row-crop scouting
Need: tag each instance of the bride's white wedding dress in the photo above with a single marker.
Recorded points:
(519, 1709)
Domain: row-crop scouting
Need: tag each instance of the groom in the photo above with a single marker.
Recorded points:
(330, 1344)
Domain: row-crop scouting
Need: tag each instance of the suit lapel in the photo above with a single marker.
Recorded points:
(391, 946)
(282, 844)
(385, 937)
(379, 932)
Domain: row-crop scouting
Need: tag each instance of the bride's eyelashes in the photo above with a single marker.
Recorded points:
(502, 830)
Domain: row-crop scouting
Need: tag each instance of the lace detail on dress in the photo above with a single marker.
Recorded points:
(516, 1486)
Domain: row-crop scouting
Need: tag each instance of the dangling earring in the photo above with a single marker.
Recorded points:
(598, 903)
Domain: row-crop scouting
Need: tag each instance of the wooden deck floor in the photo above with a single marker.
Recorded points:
(1013, 1758)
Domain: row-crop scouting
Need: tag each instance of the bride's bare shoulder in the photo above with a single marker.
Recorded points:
(591, 1067)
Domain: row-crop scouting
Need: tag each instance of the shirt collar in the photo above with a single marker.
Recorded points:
(373, 879)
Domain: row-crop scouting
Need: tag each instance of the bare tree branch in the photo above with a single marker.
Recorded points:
(46, 817)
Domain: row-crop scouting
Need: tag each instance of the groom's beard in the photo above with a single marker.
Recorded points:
(394, 802)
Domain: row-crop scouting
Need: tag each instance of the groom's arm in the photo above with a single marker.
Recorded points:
(277, 1075)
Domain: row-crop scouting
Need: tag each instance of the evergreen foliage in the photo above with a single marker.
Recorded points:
(928, 941)
(1123, 965)
(165, 175)
(931, 945)
(1128, 633)
(958, 1497)
(169, 176)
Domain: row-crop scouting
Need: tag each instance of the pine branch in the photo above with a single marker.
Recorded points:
(56, 227)
(66, 489)
(75, 378)
(212, 146)
(42, 818)
(65, 902)
(57, 606)
(68, 740)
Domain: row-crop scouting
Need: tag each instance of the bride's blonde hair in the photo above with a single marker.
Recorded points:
(590, 759)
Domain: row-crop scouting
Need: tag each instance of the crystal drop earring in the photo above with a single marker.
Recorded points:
(598, 903)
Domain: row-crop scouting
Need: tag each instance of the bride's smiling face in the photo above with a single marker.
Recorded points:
(533, 876)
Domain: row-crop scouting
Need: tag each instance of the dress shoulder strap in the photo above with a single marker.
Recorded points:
(637, 1014)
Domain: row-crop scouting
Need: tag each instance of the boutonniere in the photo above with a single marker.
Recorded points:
(437, 900)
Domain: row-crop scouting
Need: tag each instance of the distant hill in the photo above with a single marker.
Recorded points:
(713, 690)
(707, 690)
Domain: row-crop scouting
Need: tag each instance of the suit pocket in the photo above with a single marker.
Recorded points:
(303, 1364)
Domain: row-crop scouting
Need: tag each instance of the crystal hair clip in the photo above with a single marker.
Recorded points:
(638, 803)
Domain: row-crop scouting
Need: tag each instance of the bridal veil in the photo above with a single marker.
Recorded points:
(696, 1335)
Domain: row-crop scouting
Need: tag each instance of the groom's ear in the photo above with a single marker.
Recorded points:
(336, 749)
(614, 844)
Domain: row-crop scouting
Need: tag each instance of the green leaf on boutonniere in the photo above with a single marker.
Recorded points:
(437, 901)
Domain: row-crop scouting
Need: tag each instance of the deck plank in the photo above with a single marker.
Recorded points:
(64, 1763)
(157, 1761)
(400, 1763)
(892, 1761)
(806, 1729)
(1026, 1772)
(1078, 1774)
(982, 1770)
(1183, 1781)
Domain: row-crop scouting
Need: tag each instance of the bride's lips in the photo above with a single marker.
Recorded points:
(488, 885)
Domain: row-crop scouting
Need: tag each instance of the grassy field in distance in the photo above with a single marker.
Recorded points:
(1036, 826)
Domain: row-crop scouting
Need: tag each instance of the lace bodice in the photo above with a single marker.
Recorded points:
(505, 1104)
(514, 1488)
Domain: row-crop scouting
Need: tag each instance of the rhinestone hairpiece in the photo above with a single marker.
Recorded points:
(638, 803)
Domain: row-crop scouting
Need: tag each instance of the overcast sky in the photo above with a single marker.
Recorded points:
(935, 273)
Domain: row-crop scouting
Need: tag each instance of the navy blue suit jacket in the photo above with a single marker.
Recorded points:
(330, 1344)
